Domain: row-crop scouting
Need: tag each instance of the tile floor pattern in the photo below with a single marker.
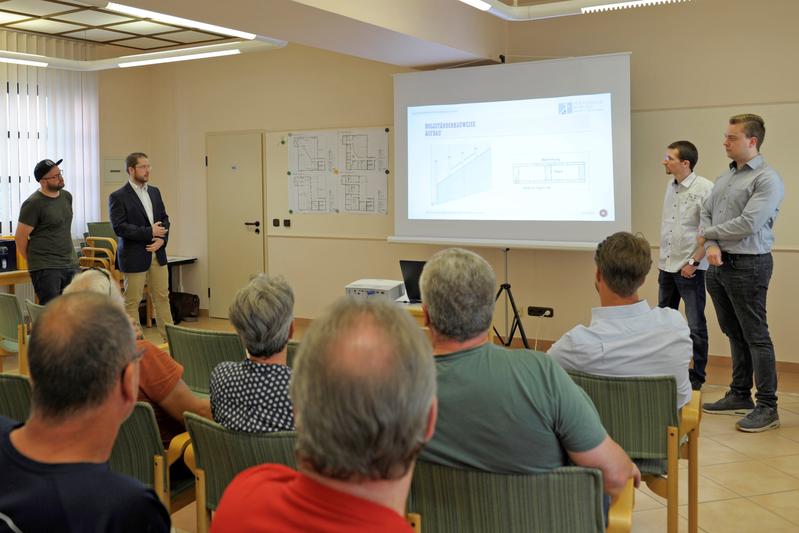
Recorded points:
(747, 482)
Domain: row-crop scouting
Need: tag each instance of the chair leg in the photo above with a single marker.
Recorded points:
(22, 339)
(415, 521)
(693, 481)
(160, 483)
(672, 477)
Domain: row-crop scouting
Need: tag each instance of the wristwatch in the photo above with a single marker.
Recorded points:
(693, 262)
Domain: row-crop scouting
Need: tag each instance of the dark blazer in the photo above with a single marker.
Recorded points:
(133, 229)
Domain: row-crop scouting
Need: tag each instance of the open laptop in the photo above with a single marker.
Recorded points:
(411, 272)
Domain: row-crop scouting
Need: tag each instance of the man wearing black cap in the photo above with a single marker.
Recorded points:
(43, 233)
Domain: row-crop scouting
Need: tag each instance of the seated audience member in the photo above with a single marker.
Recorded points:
(253, 395)
(54, 474)
(500, 410)
(364, 397)
(160, 382)
(626, 337)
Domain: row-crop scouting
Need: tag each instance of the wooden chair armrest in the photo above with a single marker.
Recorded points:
(164, 347)
(92, 241)
(620, 514)
(177, 447)
(89, 251)
(691, 413)
(189, 459)
(415, 521)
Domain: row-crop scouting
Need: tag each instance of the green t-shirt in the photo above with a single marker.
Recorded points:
(509, 411)
(50, 243)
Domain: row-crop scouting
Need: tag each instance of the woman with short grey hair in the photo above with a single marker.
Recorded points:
(252, 395)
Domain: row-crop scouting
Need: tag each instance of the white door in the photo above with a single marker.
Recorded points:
(235, 215)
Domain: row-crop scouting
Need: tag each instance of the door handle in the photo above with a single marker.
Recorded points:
(257, 223)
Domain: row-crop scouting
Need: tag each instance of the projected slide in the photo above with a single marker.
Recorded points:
(547, 159)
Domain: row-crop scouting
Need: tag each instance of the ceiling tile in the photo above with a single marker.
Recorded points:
(5, 18)
(93, 18)
(190, 36)
(34, 7)
(142, 27)
(144, 42)
(97, 35)
(45, 26)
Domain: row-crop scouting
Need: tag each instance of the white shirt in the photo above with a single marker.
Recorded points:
(144, 197)
(680, 224)
(630, 340)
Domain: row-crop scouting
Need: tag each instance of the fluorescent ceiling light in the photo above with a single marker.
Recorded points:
(23, 62)
(203, 55)
(625, 5)
(169, 19)
(479, 4)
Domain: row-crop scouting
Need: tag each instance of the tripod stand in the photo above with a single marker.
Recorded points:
(517, 321)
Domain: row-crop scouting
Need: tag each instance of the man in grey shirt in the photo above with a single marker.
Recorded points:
(737, 231)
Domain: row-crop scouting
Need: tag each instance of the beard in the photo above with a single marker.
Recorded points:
(55, 188)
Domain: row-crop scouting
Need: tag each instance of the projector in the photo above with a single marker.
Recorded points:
(375, 288)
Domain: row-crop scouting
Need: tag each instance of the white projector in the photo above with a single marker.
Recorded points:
(375, 288)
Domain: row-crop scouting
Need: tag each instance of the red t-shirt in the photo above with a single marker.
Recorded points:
(158, 375)
(277, 499)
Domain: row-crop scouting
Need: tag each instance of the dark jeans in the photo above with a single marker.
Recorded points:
(674, 287)
(49, 282)
(738, 289)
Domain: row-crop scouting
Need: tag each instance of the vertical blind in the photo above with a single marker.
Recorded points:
(48, 113)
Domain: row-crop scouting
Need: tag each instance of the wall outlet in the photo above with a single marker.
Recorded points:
(544, 312)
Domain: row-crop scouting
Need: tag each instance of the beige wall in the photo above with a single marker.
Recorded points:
(682, 67)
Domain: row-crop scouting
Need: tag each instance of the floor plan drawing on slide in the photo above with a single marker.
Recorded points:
(333, 171)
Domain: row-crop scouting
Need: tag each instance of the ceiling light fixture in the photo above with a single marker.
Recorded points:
(626, 5)
(169, 19)
(173, 59)
(26, 62)
(479, 4)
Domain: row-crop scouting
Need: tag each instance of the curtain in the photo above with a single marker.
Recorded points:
(53, 114)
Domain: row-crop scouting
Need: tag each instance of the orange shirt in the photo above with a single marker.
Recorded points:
(159, 374)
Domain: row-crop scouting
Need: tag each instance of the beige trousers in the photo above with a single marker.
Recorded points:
(157, 278)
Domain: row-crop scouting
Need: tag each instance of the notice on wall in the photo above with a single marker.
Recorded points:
(338, 171)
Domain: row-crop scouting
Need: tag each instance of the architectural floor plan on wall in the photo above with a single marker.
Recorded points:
(338, 171)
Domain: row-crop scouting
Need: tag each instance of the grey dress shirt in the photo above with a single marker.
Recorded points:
(740, 212)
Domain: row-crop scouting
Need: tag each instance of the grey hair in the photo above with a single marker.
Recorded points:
(262, 312)
(458, 289)
(78, 350)
(362, 386)
(98, 281)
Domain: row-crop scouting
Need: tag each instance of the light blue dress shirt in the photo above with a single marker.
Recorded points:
(740, 212)
(630, 340)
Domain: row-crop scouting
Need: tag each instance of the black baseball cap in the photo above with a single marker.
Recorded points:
(43, 167)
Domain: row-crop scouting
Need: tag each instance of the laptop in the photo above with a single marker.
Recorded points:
(411, 272)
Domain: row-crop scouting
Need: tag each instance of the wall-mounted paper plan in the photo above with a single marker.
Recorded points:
(338, 171)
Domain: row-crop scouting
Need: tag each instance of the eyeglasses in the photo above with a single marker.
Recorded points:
(60, 175)
(148, 167)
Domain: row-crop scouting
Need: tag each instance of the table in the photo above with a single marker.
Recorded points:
(10, 279)
(178, 261)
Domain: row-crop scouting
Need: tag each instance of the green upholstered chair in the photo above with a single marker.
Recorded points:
(15, 397)
(640, 414)
(450, 500)
(217, 454)
(291, 353)
(13, 337)
(34, 310)
(199, 351)
(139, 453)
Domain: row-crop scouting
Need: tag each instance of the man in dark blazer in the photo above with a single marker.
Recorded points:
(140, 221)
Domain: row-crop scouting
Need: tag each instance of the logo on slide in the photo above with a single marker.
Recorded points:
(603, 213)
(565, 109)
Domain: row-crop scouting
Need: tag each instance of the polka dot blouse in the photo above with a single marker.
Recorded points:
(252, 397)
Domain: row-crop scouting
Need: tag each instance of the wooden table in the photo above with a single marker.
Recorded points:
(10, 279)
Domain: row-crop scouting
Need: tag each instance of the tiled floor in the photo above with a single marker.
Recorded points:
(747, 482)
